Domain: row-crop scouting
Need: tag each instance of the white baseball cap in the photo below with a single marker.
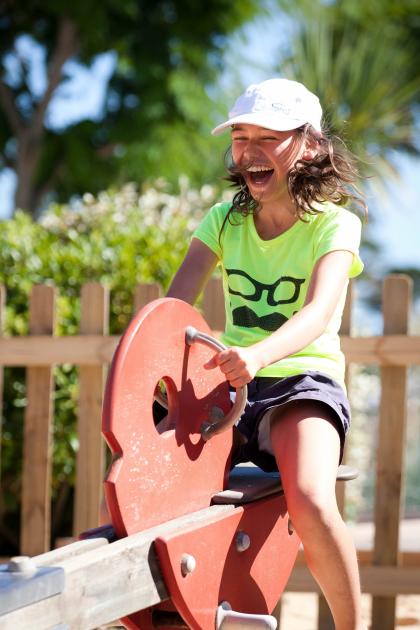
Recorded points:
(278, 104)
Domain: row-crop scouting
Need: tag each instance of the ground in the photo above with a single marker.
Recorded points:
(299, 611)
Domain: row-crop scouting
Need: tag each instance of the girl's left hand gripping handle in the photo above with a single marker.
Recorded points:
(209, 429)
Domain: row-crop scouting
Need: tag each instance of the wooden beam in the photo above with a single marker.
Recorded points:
(45, 350)
(325, 619)
(390, 464)
(90, 467)
(398, 350)
(365, 558)
(145, 293)
(392, 349)
(214, 304)
(37, 439)
(107, 584)
(384, 581)
(2, 320)
(67, 552)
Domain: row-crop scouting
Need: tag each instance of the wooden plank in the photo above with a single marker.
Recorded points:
(395, 349)
(37, 441)
(365, 558)
(325, 619)
(390, 449)
(407, 558)
(44, 350)
(214, 304)
(64, 553)
(101, 587)
(91, 454)
(67, 552)
(2, 317)
(398, 350)
(384, 581)
(145, 293)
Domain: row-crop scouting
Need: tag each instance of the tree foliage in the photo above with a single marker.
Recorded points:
(156, 110)
(360, 63)
(361, 59)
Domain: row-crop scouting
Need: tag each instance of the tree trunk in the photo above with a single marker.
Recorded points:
(30, 136)
(28, 155)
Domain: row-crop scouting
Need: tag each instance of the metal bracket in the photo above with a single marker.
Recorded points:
(22, 583)
(228, 619)
(244, 557)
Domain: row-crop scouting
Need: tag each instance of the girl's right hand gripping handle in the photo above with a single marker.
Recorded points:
(208, 429)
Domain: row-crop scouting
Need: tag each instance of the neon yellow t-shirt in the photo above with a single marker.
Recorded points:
(265, 282)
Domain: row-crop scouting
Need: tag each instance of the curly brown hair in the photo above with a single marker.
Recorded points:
(330, 176)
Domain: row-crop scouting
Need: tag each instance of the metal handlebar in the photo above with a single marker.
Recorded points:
(209, 429)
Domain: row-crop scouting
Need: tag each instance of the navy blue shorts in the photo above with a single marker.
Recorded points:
(264, 393)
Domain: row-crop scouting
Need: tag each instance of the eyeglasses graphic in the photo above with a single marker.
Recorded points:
(240, 283)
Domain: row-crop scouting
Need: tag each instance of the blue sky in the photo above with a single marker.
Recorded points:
(396, 210)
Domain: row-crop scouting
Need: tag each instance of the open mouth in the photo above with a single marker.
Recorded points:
(259, 174)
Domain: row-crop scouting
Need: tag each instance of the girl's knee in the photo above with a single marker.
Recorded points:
(309, 507)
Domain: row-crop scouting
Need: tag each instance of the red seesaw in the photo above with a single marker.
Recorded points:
(198, 546)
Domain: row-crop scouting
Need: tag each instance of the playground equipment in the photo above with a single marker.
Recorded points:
(191, 545)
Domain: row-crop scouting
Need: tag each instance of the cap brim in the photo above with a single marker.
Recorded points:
(276, 122)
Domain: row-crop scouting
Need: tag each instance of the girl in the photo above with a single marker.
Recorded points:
(287, 248)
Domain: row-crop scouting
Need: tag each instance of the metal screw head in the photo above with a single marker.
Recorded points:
(243, 541)
(23, 565)
(188, 564)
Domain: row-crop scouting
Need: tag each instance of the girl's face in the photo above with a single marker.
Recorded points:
(266, 157)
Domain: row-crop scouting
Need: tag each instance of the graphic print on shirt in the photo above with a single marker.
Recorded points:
(285, 290)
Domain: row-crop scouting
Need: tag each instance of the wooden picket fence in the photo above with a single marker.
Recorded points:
(385, 570)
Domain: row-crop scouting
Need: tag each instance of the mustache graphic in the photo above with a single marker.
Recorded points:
(244, 316)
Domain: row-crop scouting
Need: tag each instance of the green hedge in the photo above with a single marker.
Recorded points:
(121, 238)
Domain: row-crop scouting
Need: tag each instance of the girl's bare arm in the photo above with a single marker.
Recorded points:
(326, 286)
(193, 274)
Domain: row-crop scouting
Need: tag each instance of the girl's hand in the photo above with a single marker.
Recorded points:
(239, 365)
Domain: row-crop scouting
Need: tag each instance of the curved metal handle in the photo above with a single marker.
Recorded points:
(208, 429)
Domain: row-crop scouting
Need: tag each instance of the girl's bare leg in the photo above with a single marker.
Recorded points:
(307, 446)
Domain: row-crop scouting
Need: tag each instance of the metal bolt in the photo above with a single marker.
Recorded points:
(24, 565)
(243, 541)
(188, 564)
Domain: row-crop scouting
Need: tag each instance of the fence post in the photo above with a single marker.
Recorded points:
(2, 305)
(37, 441)
(145, 293)
(90, 457)
(2, 313)
(214, 305)
(390, 451)
(325, 618)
